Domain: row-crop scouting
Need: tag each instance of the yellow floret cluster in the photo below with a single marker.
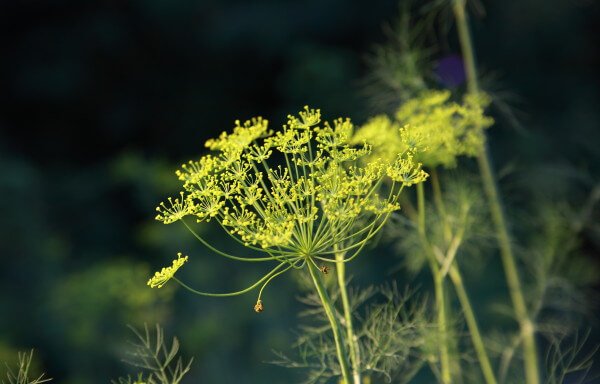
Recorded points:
(161, 277)
(302, 191)
(441, 130)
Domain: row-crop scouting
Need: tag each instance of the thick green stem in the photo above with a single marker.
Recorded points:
(466, 45)
(438, 284)
(352, 341)
(512, 274)
(340, 347)
(487, 176)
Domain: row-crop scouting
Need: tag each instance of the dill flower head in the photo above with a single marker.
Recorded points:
(161, 277)
(301, 193)
(438, 129)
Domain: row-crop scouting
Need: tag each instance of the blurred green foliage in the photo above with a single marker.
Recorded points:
(101, 100)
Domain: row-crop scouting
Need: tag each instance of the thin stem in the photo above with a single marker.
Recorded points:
(272, 277)
(352, 341)
(421, 209)
(448, 266)
(439, 202)
(236, 293)
(487, 176)
(342, 354)
(207, 245)
(465, 303)
(438, 288)
(463, 298)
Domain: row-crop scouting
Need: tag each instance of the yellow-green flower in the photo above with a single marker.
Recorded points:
(293, 196)
(438, 129)
(161, 277)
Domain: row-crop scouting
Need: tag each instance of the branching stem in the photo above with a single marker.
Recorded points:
(476, 339)
(352, 342)
(340, 346)
(449, 266)
(438, 281)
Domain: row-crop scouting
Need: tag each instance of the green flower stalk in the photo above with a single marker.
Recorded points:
(440, 130)
(530, 354)
(296, 198)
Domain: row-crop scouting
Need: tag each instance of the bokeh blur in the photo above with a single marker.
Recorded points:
(102, 100)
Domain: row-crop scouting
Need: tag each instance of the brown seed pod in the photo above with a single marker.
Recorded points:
(258, 307)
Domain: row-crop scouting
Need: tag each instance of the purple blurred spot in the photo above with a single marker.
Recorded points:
(450, 71)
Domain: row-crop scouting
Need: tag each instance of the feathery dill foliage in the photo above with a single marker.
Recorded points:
(463, 215)
(401, 67)
(394, 336)
(296, 196)
(21, 376)
(159, 362)
(568, 359)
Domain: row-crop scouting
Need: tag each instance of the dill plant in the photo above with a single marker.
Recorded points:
(315, 193)
(513, 279)
(298, 198)
(442, 130)
(451, 129)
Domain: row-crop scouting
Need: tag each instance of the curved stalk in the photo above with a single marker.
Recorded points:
(476, 339)
(438, 281)
(487, 177)
(340, 347)
(207, 245)
(449, 266)
(266, 277)
(441, 207)
(352, 341)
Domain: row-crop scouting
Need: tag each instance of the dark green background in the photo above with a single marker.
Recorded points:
(101, 100)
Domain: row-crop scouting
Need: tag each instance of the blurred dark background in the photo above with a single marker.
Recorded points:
(100, 101)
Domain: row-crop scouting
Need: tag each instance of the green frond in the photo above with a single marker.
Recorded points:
(393, 332)
(159, 362)
(22, 373)
(569, 359)
(400, 67)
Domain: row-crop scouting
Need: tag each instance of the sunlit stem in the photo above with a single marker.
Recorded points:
(352, 340)
(455, 242)
(207, 245)
(477, 340)
(262, 280)
(438, 281)
(340, 346)
(487, 176)
(260, 292)
(451, 267)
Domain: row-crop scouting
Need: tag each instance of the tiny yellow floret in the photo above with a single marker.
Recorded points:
(160, 278)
